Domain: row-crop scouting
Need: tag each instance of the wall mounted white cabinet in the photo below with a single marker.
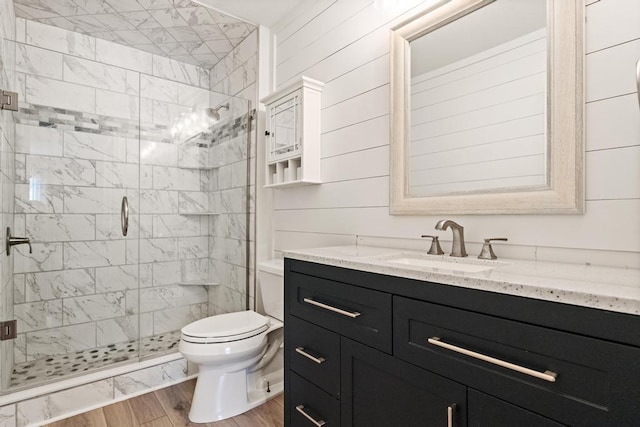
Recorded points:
(292, 134)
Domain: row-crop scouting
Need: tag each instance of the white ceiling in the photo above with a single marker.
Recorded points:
(260, 12)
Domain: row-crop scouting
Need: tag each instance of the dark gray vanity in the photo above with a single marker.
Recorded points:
(371, 349)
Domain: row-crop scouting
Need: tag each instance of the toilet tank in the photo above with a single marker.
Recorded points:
(271, 283)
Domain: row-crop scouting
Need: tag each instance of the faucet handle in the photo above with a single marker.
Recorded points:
(435, 248)
(487, 249)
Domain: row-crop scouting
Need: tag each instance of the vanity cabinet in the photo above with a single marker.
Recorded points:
(292, 134)
(365, 349)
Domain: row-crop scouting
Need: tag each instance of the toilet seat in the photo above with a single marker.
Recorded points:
(225, 328)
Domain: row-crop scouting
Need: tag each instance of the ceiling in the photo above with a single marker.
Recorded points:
(263, 12)
(179, 29)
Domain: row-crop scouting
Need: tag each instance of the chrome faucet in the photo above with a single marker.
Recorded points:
(457, 249)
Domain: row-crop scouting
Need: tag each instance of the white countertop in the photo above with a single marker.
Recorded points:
(606, 288)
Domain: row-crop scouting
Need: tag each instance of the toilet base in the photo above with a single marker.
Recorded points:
(220, 395)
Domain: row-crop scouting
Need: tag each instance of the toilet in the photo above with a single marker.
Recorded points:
(230, 349)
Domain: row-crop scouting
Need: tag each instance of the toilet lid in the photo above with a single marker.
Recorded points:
(227, 327)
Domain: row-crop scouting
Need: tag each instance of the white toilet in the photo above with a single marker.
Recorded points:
(230, 348)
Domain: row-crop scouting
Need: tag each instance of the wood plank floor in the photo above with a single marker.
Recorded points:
(169, 407)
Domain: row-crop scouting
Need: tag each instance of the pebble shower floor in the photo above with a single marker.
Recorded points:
(42, 370)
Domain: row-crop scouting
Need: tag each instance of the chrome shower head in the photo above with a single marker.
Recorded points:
(214, 113)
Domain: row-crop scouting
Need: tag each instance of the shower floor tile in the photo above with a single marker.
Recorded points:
(55, 367)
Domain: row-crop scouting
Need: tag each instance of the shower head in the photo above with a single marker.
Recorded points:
(214, 113)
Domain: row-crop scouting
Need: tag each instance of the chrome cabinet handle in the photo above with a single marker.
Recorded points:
(124, 215)
(352, 314)
(318, 360)
(451, 410)
(547, 375)
(300, 408)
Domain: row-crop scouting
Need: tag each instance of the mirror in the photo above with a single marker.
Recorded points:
(486, 113)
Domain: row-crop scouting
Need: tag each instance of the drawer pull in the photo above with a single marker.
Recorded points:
(352, 314)
(300, 408)
(318, 360)
(547, 375)
(451, 409)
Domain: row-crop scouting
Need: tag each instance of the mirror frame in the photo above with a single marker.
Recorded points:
(565, 111)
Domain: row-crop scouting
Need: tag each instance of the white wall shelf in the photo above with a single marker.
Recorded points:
(293, 134)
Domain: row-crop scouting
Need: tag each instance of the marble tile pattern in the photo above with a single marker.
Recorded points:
(232, 240)
(46, 408)
(8, 81)
(181, 30)
(76, 159)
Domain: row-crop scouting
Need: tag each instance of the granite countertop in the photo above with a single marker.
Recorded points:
(606, 288)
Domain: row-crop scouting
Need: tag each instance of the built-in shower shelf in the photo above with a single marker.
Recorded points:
(198, 168)
(199, 213)
(199, 283)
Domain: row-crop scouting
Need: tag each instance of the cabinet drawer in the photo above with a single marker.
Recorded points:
(360, 314)
(311, 406)
(597, 382)
(314, 353)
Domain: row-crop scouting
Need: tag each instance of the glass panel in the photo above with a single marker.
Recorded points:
(230, 194)
(193, 184)
(76, 296)
(285, 138)
(7, 189)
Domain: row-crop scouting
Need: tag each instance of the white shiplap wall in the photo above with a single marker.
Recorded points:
(345, 44)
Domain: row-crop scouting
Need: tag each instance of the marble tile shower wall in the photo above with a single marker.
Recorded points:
(78, 151)
(235, 75)
(7, 144)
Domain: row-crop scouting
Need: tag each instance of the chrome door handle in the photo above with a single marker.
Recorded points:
(318, 360)
(451, 410)
(124, 215)
(300, 408)
(352, 314)
(12, 241)
(547, 375)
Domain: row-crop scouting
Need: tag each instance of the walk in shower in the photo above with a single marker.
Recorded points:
(130, 178)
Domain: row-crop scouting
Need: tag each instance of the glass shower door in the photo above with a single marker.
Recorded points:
(89, 297)
(77, 167)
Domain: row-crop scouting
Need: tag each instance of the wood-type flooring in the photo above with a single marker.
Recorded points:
(169, 407)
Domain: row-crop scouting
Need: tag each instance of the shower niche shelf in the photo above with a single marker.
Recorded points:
(199, 283)
(198, 168)
(198, 213)
(292, 134)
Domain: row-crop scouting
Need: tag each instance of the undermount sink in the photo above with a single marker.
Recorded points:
(464, 265)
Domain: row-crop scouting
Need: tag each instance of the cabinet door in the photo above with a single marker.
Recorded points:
(314, 353)
(487, 411)
(307, 405)
(379, 390)
(284, 127)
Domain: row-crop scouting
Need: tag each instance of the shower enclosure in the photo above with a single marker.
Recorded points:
(132, 187)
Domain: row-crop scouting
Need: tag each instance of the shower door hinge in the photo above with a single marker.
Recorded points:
(8, 330)
(8, 100)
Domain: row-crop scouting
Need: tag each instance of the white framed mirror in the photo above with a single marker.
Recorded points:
(487, 109)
